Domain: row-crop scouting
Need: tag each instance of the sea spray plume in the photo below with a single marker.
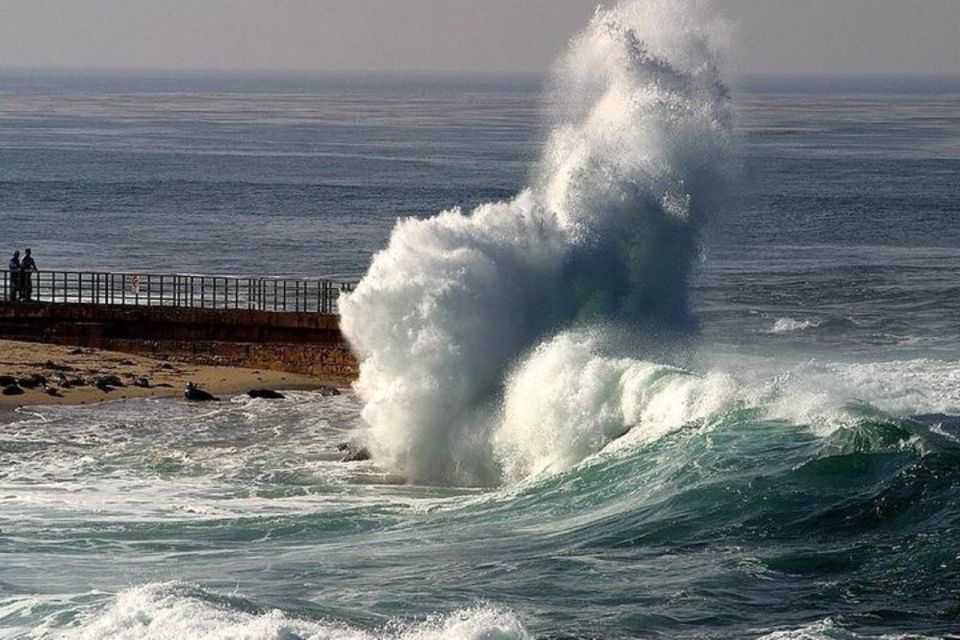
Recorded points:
(636, 157)
(605, 233)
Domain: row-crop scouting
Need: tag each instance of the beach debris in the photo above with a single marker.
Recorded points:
(196, 394)
(12, 390)
(354, 452)
(328, 390)
(266, 394)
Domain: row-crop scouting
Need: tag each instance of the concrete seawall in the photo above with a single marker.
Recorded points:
(308, 343)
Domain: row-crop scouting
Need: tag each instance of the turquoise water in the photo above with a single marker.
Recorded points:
(150, 519)
(796, 478)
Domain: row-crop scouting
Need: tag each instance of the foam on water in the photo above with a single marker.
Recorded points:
(789, 325)
(131, 461)
(176, 610)
(830, 630)
(635, 159)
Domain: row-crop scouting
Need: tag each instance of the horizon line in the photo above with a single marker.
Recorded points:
(440, 72)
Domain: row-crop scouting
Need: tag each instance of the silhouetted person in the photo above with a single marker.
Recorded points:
(14, 277)
(27, 267)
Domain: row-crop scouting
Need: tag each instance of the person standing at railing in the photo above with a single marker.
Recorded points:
(15, 271)
(27, 267)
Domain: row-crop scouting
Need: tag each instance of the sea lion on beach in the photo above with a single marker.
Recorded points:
(266, 394)
(196, 394)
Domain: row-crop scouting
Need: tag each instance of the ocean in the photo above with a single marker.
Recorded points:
(781, 461)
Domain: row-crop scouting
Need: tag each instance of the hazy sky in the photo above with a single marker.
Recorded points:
(861, 36)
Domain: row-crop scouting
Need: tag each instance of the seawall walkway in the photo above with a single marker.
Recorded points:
(288, 324)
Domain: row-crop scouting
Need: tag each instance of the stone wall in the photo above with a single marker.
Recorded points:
(307, 343)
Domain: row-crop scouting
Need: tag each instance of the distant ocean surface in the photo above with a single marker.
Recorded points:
(829, 285)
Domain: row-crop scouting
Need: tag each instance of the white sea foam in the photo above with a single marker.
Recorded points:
(789, 325)
(604, 234)
(175, 610)
(830, 630)
(146, 460)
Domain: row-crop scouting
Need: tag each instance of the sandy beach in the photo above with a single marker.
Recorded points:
(53, 374)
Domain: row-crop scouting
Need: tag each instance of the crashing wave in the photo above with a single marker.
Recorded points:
(603, 236)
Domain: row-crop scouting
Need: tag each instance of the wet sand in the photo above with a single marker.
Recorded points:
(70, 375)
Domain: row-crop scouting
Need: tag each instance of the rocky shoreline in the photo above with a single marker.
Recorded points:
(41, 374)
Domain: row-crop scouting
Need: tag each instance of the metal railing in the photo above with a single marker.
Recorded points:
(305, 295)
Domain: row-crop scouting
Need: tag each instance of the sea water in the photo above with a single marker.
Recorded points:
(772, 455)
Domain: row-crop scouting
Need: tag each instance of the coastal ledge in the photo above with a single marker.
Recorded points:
(71, 374)
(303, 343)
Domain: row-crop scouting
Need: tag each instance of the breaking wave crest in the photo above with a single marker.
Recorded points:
(177, 610)
(462, 321)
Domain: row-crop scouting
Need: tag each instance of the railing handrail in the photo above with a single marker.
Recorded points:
(189, 290)
(344, 279)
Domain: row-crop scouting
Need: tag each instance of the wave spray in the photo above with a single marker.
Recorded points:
(484, 336)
